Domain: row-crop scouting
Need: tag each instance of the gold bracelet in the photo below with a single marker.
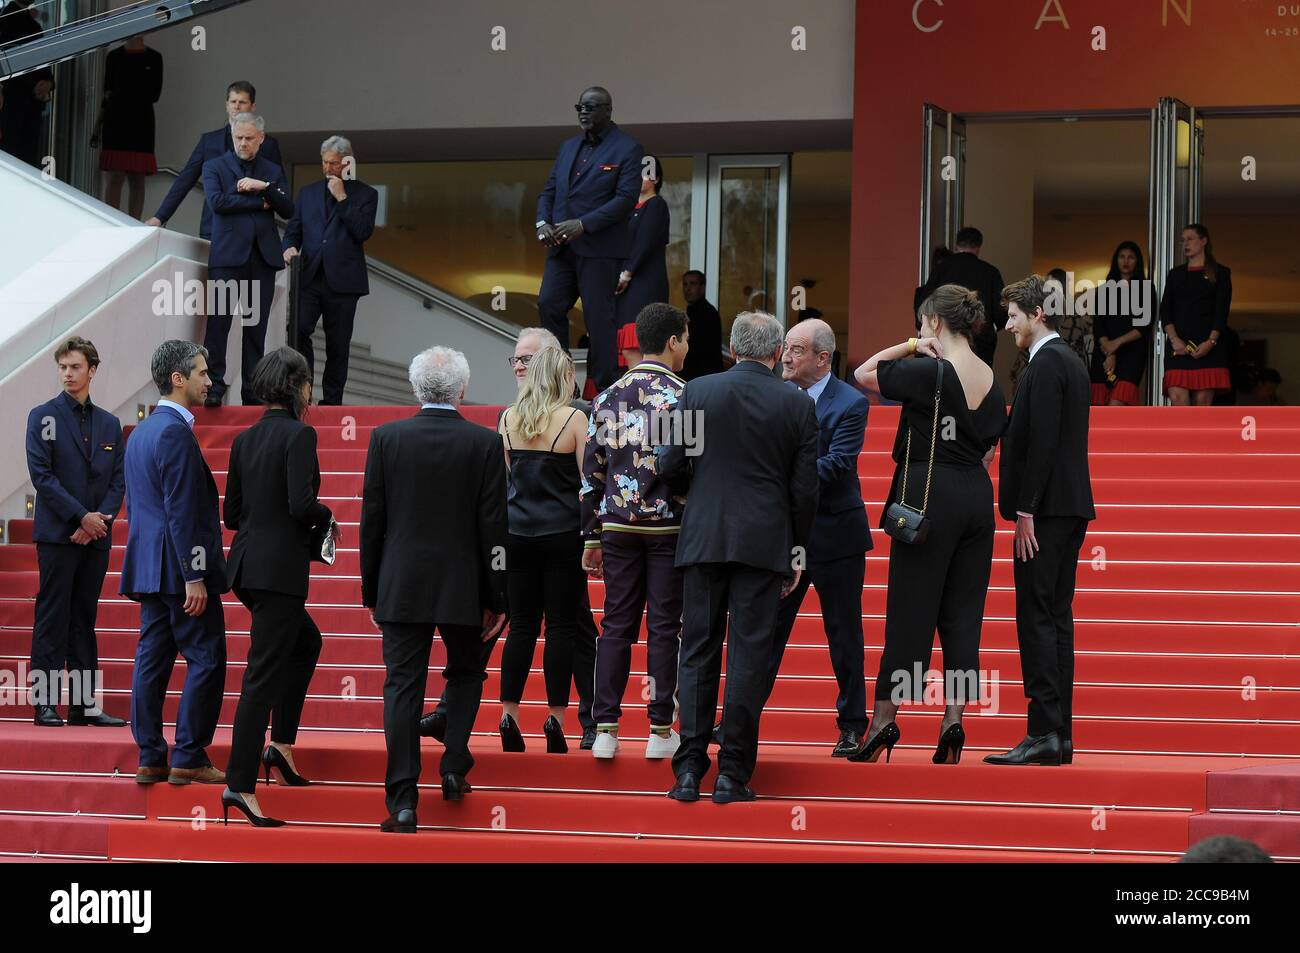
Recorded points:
(911, 345)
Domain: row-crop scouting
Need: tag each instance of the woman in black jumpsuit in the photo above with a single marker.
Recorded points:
(941, 582)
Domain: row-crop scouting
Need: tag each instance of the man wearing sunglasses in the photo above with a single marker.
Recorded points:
(581, 215)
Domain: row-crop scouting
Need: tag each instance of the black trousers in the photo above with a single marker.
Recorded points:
(253, 324)
(406, 657)
(941, 583)
(284, 644)
(315, 300)
(544, 578)
(711, 591)
(568, 277)
(1045, 622)
(839, 588)
(71, 578)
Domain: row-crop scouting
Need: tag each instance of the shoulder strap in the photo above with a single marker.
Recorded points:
(502, 419)
(907, 453)
(563, 427)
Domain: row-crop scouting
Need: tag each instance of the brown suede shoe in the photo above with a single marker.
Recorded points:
(146, 774)
(204, 775)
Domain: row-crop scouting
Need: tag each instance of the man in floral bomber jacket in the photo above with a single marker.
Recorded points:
(630, 523)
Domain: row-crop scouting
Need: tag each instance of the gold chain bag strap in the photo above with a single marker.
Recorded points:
(906, 523)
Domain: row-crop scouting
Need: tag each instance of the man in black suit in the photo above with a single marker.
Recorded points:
(836, 561)
(74, 457)
(752, 470)
(965, 267)
(331, 222)
(581, 216)
(705, 355)
(1045, 489)
(245, 190)
(433, 538)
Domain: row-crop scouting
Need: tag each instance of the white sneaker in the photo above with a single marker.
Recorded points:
(660, 747)
(606, 745)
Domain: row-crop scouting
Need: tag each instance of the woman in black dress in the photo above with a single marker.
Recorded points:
(1119, 350)
(132, 84)
(1194, 313)
(272, 506)
(645, 273)
(940, 582)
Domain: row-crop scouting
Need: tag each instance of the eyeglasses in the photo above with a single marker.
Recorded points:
(514, 361)
(589, 107)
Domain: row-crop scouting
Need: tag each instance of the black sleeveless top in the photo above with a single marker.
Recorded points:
(542, 496)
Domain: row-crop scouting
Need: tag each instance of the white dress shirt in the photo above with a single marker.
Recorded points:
(183, 411)
(815, 391)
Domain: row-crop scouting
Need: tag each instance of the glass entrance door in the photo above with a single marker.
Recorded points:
(943, 180)
(748, 198)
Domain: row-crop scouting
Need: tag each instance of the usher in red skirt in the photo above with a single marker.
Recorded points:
(1125, 392)
(1208, 378)
(117, 160)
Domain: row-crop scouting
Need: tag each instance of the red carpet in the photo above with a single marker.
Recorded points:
(1187, 699)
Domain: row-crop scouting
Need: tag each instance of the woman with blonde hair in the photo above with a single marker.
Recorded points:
(543, 442)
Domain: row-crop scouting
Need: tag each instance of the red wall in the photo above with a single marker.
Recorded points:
(993, 56)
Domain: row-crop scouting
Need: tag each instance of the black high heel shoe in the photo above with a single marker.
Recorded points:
(555, 743)
(511, 737)
(230, 799)
(273, 757)
(885, 738)
(950, 744)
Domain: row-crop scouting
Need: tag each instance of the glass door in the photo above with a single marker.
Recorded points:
(943, 180)
(1177, 151)
(748, 199)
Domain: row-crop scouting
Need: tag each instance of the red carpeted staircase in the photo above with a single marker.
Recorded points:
(1187, 699)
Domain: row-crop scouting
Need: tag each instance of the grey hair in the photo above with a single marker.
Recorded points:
(548, 337)
(756, 335)
(257, 121)
(340, 144)
(439, 375)
(174, 357)
(823, 337)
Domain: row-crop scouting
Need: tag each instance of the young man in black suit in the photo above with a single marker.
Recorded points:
(433, 538)
(1045, 489)
(752, 470)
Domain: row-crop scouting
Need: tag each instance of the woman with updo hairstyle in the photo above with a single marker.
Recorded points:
(941, 582)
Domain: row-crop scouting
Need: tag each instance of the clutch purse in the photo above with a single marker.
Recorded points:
(322, 543)
(906, 523)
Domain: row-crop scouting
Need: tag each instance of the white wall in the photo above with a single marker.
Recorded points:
(428, 64)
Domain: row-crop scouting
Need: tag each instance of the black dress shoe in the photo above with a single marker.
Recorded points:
(512, 739)
(849, 742)
(1067, 751)
(78, 716)
(47, 716)
(434, 725)
(717, 734)
(727, 790)
(687, 788)
(454, 787)
(403, 822)
(1035, 749)
(588, 739)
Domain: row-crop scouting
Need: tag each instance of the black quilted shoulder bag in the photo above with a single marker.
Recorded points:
(906, 523)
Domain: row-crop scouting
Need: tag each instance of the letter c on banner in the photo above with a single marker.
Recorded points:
(916, 8)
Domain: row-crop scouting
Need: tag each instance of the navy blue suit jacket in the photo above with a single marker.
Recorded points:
(840, 528)
(72, 479)
(331, 234)
(240, 224)
(602, 197)
(210, 145)
(174, 529)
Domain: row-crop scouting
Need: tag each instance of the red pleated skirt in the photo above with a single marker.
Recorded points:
(626, 339)
(118, 160)
(1126, 392)
(1207, 378)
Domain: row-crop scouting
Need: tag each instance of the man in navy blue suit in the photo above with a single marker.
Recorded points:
(241, 97)
(331, 221)
(245, 191)
(74, 456)
(841, 536)
(176, 570)
(581, 213)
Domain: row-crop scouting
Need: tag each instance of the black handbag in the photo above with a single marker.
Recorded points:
(906, 523)
(322, 543)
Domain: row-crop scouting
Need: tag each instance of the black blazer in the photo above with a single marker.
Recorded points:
(272, 506)
(433, 521)
(974, 274)
(1044, 466)
(331, 234)
(753, 487)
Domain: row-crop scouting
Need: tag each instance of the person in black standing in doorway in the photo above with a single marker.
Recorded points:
(22, 107)
(941, 581)
(705, 355)
(1044, 488)
(965, 267)
(133, 77)
(1119, 346)
(272, 506)
(1194, 313)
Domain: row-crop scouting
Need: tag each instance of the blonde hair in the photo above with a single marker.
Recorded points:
(546, 388)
